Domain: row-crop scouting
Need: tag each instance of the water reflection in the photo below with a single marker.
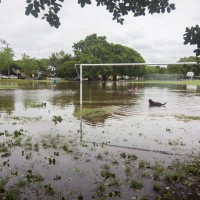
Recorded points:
(111, 95)
(63, 98)
(192, 88)
(7, 101)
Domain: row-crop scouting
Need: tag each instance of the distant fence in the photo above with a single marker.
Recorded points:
(163, 77)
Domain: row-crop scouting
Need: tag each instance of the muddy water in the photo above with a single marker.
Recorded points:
(153, 134)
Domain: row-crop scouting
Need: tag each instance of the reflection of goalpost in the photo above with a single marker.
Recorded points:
(121, 64)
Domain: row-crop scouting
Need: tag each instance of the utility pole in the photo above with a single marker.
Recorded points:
(8, 62)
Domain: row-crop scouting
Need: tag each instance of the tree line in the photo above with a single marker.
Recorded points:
(93, 49)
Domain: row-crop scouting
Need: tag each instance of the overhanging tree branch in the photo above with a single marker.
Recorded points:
(118, 8)
(192, 37)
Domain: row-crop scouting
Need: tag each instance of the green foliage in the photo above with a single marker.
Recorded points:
(135, 184)
(155, 70)
(67, 70)
(57, 119)
(192, 37)
(49, 189)
(3, 183)
(95, 49)
(176, 69)
(151, 70)
(189, 59)
(94, 114)
(28, 65)
(157, 187)
(34, 7)
(58, 58)
(194, 68)
(6, 55)
(116, 7)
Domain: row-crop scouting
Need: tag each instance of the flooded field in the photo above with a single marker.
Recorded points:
(51, 148)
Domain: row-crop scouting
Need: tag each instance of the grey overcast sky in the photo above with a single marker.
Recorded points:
(158, 37)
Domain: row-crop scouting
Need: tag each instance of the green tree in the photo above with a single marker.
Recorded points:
(59, 58)
(151, 70)
(193, 68)
(28, 65)
(123, 54)
(162, 70)
(189, 59)
(94, 49)
(42, 67)
(6, 56)
(67, 70)
(176, 69)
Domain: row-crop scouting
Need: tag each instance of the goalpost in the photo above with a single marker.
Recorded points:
(121, 64)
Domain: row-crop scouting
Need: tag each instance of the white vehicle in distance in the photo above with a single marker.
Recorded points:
(13, 76)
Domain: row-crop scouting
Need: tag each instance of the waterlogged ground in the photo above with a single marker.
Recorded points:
(50, 151)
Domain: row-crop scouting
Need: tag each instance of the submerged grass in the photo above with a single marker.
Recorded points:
(171, 82)
(187, 118)
(94, 114)
(108, 179)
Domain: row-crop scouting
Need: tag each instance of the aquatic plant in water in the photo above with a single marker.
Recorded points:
(94, 114)
(57, 119)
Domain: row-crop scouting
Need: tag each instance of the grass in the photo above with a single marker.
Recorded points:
(13, 194)
(157, 171)
(187, 118)
(122, 163)
(94, 114)
(135, 184)
(100, 190)
(143, 164)
(171, 82)
(128, 171)
(180, 82)
(157, 187)
(2, 185)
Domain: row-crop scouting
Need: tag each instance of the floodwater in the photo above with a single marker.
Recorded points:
(71, 154)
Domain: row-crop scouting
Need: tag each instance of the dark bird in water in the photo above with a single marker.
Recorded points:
(154, 103)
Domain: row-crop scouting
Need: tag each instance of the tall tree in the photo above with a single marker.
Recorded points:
(94, 49)
(58, 58)
(6, 56)
(67, 70)
(28, 65)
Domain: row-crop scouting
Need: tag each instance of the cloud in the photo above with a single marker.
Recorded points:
(158, 37)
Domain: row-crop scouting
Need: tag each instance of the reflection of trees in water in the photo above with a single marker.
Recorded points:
(106, 93)
(7, 103)
(64, 99)
(101, 96)
(67, 93)
(35, 85)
